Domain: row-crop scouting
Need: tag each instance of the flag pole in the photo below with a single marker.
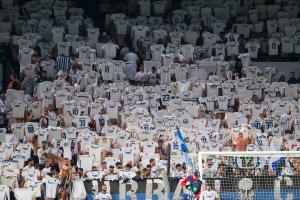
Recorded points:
(169, 160)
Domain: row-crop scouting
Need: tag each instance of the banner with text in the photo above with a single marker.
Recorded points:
(250, 188)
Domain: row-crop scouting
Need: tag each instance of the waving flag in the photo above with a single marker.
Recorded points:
(276, 164)
(184, 149)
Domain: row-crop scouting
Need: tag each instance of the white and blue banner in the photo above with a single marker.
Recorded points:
(231, 188)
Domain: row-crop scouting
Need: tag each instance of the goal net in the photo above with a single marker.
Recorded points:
(256, 175)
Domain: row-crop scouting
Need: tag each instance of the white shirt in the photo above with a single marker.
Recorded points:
(25, 57)
(218, 27)
(138, 32)
(165, 75)
(121, 27)
(245, 58)
(297, 44)
(93, 35)
(232, 37)
(18, 109)
(58, 34)
(219, 49)
(63, 48)
(232, 48)
(287, 45)
(157, 50)
(131, 57)
(167, 59)
(140, 76)
(112, 109)
(273, 46)
(253, 48)
(73, 26)
(101, 196)
(272, 26)
(187, 51)
(107, 71)
(110, 50)
(84, 52)
(244, 29)
(209, 195)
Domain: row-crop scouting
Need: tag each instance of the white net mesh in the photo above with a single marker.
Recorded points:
(252, 175)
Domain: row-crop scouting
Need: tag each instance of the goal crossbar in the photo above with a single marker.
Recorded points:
(204, 155)
(249, 153)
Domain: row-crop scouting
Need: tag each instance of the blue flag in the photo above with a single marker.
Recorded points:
(275, 164)
(184, 149)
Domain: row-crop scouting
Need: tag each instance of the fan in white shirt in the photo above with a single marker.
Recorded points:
(245, 58)
(82, 121)
(30, 129)
(297, 44)
(273, 44)
(58, 34)
(33, 38)
(138, 32)
(112, 109)
(253, 48)
(272, 26)
(157, 50)
(218, 27)
(167, 59)
(107, 71)
(36, 109)
(45, 48)
(18, 109)
(232, 48)
(121, 27)
(48, 66)
(63, 48)
(287, 45)
(110, 50)
(232, 37)
(23, 43)
(160, 34)
(176, 37)
(25, 57)
(187, 51)
(140, 75)
(83, 52)
(73, 26)
(244, 29)
(181, 73)
(165, 75)
(219, 49)
(93, 35)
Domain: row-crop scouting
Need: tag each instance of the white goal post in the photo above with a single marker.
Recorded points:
(252, 175)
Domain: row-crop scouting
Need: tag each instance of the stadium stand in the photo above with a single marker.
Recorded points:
(105, 91)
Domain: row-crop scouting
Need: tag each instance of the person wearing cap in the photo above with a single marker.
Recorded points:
(192, 186)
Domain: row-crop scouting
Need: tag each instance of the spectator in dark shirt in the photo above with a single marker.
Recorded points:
(292, 79)
(281, 78)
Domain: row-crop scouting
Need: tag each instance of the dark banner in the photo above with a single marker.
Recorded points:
(249, 188)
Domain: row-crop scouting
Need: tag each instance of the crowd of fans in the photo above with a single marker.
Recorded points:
(104, 102)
